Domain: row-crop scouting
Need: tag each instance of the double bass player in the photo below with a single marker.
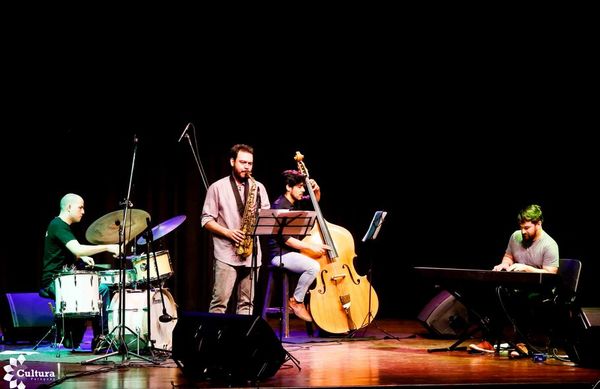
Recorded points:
(285, 251)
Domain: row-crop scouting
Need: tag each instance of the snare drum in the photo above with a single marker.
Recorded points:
(77, 294)
(112, 277)
(136, 317)
(165, 270)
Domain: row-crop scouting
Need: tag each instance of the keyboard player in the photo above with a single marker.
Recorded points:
(530, 249)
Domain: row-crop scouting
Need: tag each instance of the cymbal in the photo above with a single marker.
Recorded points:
(106, 229)
(164, 228)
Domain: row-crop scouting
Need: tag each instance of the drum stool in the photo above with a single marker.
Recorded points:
(70, 331)
(54, 329)
(283, 310)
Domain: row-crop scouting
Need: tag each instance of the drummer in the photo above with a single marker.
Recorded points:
(63, 251)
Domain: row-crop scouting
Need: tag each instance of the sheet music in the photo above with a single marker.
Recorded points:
(280, 212)
(270, 222)
(375, 225)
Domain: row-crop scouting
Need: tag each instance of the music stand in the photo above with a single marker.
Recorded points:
(283, 222)
(371, 235)
(375, 226)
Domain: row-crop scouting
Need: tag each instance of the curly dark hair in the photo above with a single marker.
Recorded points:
(293, 177)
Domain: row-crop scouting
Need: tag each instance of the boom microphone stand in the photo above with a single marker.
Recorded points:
(123, 350)
(195, 152)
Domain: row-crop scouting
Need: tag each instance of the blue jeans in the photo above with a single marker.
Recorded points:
(307, 267)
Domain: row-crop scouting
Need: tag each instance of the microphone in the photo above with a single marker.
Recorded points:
(165, 318)
(184, 131)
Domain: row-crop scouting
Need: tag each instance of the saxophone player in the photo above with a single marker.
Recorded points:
(230, 206)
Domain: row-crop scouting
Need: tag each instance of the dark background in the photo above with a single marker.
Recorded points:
(451, 148)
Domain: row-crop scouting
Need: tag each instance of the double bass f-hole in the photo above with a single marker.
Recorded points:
(336, 278)
(341, 298)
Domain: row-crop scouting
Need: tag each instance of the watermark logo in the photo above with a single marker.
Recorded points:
(18, 375)
(11, 373)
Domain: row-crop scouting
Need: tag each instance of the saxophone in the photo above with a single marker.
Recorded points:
(248, 220)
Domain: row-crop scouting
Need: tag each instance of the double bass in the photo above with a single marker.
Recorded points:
(342, 301)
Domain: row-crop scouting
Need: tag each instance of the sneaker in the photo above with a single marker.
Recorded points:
(520, 347)
(299, 310)
(519, 351)
(100, 344)
(484, 347)
(97, 341)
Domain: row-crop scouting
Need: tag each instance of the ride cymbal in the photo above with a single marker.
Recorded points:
(164, 228)
(106, 229)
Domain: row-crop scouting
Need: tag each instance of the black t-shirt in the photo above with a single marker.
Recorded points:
(56, 253)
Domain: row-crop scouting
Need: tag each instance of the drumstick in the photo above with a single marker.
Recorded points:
(105, 266)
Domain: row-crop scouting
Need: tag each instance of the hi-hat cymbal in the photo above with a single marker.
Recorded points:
(106, 229)
(164, 228)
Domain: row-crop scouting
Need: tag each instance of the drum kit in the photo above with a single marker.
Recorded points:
(77, 292)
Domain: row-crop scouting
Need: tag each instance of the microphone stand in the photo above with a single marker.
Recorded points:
(123, 350)
(195, 153)
(165, 317)
(254, 260)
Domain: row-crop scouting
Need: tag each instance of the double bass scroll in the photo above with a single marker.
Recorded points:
(340, 301)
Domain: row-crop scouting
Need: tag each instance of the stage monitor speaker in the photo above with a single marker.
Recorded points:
(584, 342)
(24, 316)
(226, 347)
(444, 315)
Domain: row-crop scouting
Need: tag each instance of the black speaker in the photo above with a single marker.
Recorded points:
(444, 315)
(584, 339)
(24, 316)
(226, 347)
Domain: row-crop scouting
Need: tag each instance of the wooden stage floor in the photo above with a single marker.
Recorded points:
(376, 359)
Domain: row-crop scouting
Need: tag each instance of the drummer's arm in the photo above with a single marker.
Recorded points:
(85, 250)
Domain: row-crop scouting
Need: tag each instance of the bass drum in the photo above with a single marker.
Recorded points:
(136, 318)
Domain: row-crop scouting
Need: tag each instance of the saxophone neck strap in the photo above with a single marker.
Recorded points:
(236, 193)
